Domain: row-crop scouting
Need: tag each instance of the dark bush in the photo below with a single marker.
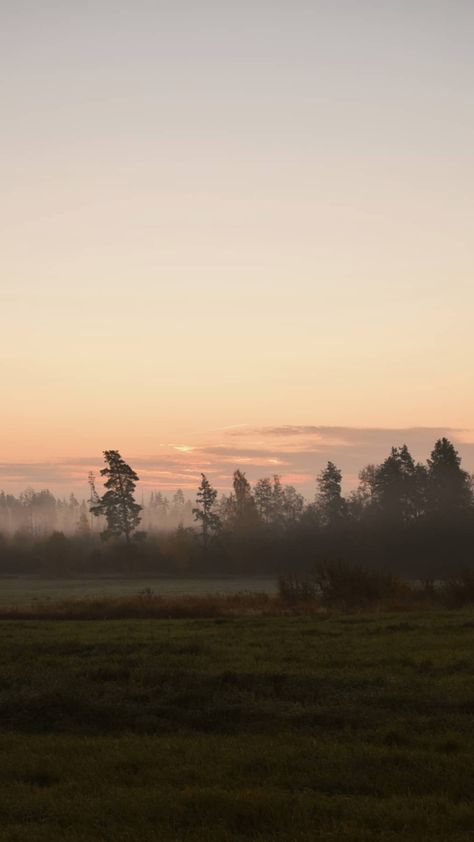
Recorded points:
(458, 590)
(337, 584)
(343, 585)
(293, 588)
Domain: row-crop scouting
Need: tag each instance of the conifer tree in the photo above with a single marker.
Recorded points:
(449, 487)
(203, 512)
(399, 486)
(330, 502)
(118, 504)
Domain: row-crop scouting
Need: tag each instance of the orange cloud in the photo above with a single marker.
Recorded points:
(172, 467)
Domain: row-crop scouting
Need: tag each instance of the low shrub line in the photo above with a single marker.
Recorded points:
(347, 586)
(330, 586)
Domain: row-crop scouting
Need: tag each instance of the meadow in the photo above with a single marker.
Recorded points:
(323, 726)
(22, 590)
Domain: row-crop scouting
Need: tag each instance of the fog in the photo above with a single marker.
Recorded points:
(39, 513)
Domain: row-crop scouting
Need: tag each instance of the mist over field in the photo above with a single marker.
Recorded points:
(405, 518)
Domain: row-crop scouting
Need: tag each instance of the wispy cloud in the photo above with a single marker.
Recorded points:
(297, 452)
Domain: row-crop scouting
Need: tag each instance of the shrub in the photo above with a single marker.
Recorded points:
(337, 584)
(345, 585)
(291, 589)
(458, 590)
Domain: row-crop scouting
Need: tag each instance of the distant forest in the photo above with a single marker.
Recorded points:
(413, 519)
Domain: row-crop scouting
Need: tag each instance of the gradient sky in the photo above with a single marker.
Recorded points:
(218, 214)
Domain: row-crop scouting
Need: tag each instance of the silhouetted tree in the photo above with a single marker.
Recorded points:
(449, 488)
(292, 505)
(177, 508)
(203, 512)
(365, 494)
(398, 486)
(118, 504)
(416, 520)
(269, 498)
(94, 498)
(264, 499)
(330, 502)
(278, 496)
(159, 510)
(244, 509)
(83, 529)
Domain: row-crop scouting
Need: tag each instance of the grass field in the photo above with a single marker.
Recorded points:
(23, 590)
(343, 727)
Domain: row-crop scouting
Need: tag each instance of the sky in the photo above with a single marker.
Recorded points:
(223, 220)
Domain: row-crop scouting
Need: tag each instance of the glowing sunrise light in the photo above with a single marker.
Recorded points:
(287, 242)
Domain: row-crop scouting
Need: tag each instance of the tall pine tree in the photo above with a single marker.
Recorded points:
(449, 487)
(118, 504)
(330, 502)
(203, 512)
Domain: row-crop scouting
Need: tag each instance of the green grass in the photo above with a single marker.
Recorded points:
(23, 590)
(344, 727)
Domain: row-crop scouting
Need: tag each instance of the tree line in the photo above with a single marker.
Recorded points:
(408, 517)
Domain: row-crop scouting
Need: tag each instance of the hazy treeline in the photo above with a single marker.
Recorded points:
(414, 519)
(40, 513)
